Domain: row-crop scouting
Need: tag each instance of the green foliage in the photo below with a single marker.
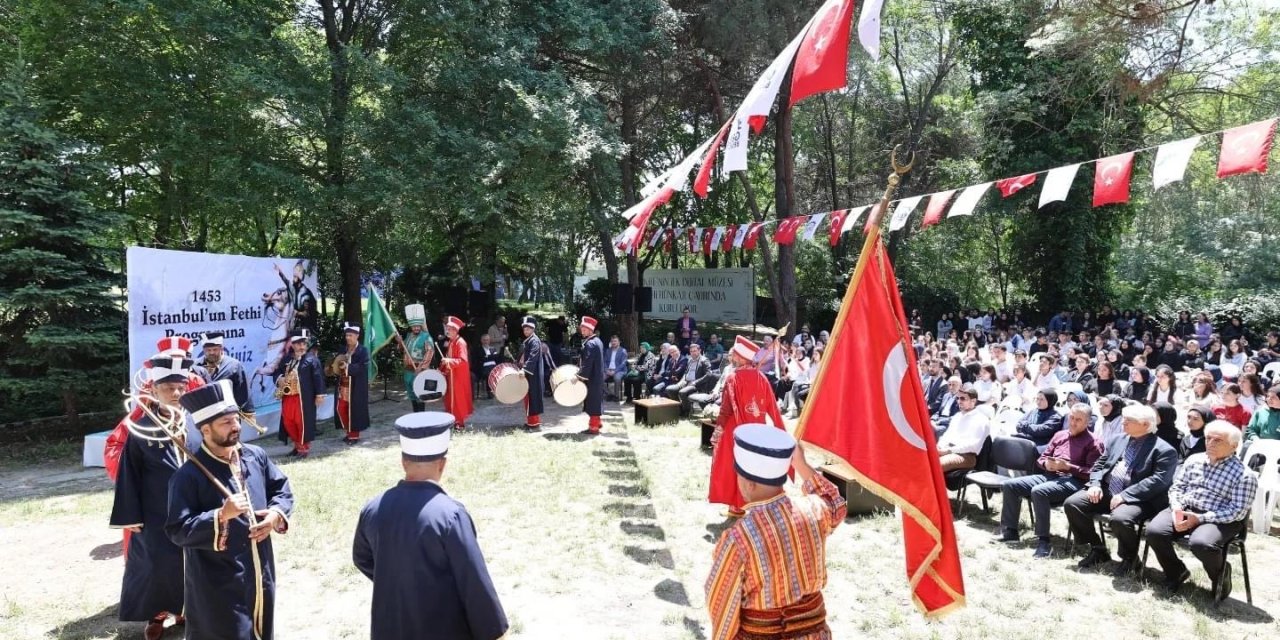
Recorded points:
(597, 298)
(59, 323)
(1260, 312)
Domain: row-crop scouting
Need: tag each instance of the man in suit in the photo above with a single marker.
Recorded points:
(615, 366)
(948, 406)
(935, 384)
(685, 327)
(1131, 482)
(670, 370)
(697, 378)
(483, 361)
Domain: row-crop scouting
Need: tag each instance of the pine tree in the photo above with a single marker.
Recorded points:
(60, 322)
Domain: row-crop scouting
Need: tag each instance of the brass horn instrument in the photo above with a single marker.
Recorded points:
(288, 384)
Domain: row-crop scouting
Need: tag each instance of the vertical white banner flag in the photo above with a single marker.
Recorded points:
(869, 27)
(679, 178)
(740, 235)
(1057, 184)
(1171, 162)
(759, 102)
(903, 212)
(852, 218)
(715, 239)
(968, 200)
(811, 227)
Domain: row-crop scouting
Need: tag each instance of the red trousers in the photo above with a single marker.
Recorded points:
(291, 422)
(344, 418)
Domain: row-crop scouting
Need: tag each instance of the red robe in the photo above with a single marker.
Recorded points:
(457, 398)
(747, 398)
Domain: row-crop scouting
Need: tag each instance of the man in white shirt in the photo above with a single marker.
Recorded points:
(965, 437)
(1000, 358)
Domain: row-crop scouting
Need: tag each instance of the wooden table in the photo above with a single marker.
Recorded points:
(860, 501)
(654, 411)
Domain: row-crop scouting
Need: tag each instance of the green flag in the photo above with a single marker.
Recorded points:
(379, 329)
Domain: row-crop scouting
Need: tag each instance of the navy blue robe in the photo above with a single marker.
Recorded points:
(220, 585)
(153, 571)
(534, 371)
(418, 546)
(358, 370)
(311, 381)
(591, 370)
(229, 369)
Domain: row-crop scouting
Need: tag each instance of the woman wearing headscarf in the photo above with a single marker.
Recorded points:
(1109, 424)
(1167, 426)
(1042, 422)
(634, 381)
(1139, 383)
(1198, 417)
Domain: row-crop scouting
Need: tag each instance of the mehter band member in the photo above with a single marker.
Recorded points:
(224, 504)
(352, 409)
(153, 576)
(418, 546)
(747, 397)
(419, 349)
(769, 568)
(299, 382)
(216, 365)
(533, 362)
(457, 369)
(591, 372)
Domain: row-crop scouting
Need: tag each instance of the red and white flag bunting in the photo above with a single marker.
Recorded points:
(1171, 162)
(741, 235)
(903, 212)
(811, 227)
(1245, 149)
(968, 200)
(717, 239)
(852, 218)
(1058, 184)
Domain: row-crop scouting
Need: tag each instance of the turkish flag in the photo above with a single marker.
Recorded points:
(1111, 179)
(837, 221)
(693, 239)
(753, 236)
(1010, 186)
(787, 230)
(729, 232)
(937, 205)
(1245, 149)
(707, 235)
(666, 244)
(867, 406)
(709, 162)
(822, 61)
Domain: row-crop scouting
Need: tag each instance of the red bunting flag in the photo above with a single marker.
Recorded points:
(1245, 149)
(729, 232)
(873, 219)
(630, 238)
(822, 61)
(1010, 186)
(753, 236)
(669, 242)
(937, 205)
(707, 235)
(867, 406)
(709, 162)
(693, 239)
(787, 230)
(837, 221)
(1111, 179)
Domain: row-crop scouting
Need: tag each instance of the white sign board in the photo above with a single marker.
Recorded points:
(713, 295)
(254, 301)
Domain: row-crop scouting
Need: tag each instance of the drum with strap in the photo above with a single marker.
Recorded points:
(508, 384)
(566, 388)
(429, 385)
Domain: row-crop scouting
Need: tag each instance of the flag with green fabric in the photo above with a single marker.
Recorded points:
(379, 329)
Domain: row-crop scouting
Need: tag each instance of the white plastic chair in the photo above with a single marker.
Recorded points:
(1271, 371)
(1264, 503)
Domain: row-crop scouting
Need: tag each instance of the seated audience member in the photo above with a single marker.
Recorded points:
(1131, 482)
(800, 390)
(697, 377)
(1210, 497)
(615, 367)
(1252, 392)
(1265, 422)
(967, 433)
(714, 351)
(670, 370)
(1104, 382)
(1139, 383)
(1230, 408)
(987, 386)
(1192, 357)
(1109, 420)
(948, 407)
(1165, 388)
(1021, 388)
(1082, 374)
(1198, 417)
(1065, 463)
(710, 402)
(1001, 361)
(634, 381)
(1046, 378)
(1203, 391)
(1167, 426)
(935, 384)
(1042, 422)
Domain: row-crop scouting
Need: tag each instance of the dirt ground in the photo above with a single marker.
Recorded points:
(606, 537)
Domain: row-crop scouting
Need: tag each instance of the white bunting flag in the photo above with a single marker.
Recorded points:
(903, 212)
(740, 235)
(968, 200)
(1057, 184)
(869, 27)
(759, 102)
(679, 178)
(1171, 162)
(852, 218)
(652, 185)
(811, 227)
(715, 239)
(657, 236)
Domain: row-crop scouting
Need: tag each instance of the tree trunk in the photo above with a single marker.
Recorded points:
(784, 198)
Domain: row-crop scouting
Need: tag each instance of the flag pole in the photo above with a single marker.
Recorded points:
(868, 247)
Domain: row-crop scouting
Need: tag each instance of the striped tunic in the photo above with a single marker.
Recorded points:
(773, 557)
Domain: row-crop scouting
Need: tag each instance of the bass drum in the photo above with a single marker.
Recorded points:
(566, 388)
(508, 384)
(429, 385)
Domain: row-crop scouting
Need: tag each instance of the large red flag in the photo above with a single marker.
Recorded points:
(937, 204)
(1111, 179)
(822, 61)
(867, 406)
(1245, 149)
